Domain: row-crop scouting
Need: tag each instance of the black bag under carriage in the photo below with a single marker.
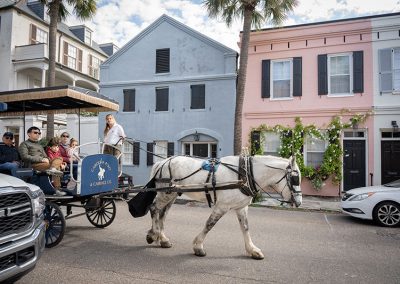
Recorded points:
(139, 205)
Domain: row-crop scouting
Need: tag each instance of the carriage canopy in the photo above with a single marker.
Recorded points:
(60, 99)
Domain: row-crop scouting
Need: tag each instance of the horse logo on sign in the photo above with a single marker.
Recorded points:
(101, 173)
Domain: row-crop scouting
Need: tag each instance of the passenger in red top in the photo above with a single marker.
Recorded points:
(53, 152)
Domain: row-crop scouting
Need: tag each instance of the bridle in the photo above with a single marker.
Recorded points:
(292, 179)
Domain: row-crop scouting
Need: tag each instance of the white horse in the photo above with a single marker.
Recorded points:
(262, 172)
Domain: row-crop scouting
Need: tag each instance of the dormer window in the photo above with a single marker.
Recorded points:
(88, 37)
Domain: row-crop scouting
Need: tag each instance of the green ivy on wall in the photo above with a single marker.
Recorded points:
(293, 139)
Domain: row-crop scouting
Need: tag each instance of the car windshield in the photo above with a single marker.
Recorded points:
(395, 183)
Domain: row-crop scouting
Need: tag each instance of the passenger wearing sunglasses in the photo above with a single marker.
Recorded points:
(9, 156)
(34, 156)
(64, 146)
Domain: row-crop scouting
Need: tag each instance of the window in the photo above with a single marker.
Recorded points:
(162, 99)
(272, 144)
(197, 97)
(281, 84)
(281, 78)
(339, 74)
(128, 154)
(315, 149)
(162, 60)
(161, 150)
(200, 149)
(38, 35)
(72, 57)
(94, 66)
(389, 70)
(88, 37)
(129, 99)
(131, 153)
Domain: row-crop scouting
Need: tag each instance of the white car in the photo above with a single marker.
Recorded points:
(380, 203)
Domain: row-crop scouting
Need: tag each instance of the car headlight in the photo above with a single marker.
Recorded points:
(362, 196)
(38, 200)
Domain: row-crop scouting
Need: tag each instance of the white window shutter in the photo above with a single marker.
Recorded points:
(385, 70)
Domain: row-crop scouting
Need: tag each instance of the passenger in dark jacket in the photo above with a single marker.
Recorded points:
(9, 156)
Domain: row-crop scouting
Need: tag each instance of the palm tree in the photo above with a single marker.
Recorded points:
(252, 12)
(57, 11)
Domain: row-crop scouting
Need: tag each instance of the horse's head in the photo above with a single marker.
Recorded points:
(284, 177)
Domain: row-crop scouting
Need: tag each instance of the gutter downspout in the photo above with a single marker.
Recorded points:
(59, 47)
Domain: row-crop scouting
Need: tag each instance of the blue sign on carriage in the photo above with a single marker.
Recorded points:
(99, 173)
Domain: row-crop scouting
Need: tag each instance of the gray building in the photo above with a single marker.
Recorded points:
(176, 88)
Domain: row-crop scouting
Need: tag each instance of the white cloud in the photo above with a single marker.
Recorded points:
(119, 21)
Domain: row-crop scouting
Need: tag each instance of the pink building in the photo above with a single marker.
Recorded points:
(316, 72)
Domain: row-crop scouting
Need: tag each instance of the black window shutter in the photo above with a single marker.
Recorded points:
(297, 76)
(170, 150)
(136, 153)
(322, 74)
(162, 60)
(150, 149)
(162, 99)
(129, 99)
(197, 97)
(265, 80)
(358, 72)
(255, 141)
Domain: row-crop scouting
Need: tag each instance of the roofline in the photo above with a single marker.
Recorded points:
(12, 6)
(328, 22)
(178, 25)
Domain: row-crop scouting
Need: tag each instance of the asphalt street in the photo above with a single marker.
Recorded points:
(299, 247)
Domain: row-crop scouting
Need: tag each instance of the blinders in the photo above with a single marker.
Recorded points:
(292, 179)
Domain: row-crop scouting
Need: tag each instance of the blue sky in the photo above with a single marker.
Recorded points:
(119, 21)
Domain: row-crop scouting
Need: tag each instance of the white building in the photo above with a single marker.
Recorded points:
(24, 27)
(386, 106)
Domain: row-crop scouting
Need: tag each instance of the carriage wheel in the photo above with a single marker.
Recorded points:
(102, 216)
(55, 224)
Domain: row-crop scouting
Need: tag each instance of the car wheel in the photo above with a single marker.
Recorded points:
(387, 214)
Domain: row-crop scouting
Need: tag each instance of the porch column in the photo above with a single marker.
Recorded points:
(43, 83)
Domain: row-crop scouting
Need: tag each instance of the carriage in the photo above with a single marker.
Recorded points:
(97, 177)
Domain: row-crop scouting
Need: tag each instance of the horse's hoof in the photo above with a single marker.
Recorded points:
(199, 252)
(149, 239)
(166, 244)
(257, 255)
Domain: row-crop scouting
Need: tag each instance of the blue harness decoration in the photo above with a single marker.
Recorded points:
(211, 165)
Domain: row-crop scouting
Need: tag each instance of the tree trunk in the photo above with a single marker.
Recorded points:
(51, 73)
(244, 50)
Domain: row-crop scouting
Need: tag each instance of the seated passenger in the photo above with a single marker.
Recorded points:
(9, 156)
(64, 146)
(53, 152)
(34, 156)
(72, 152)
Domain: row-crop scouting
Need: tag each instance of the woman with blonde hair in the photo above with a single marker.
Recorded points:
(113, 135)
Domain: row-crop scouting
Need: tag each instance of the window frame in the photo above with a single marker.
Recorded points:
(210, 150)
(272, 80)
(39, 34)
(127, 154)
(349, 55)
(157, 96)
(129, 108)
(94, 66)
(265, 148)
(202, 95)
(306, 150)
(161, 67)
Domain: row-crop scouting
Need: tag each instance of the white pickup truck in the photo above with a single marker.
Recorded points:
(22, 229)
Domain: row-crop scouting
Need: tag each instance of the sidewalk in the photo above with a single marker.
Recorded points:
(313, 203)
